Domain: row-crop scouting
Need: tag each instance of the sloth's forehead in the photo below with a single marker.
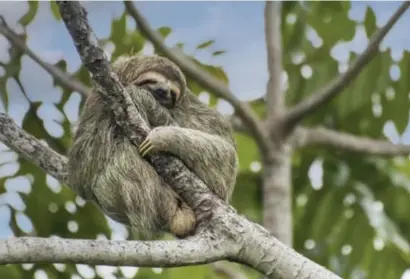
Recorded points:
(161, 73)
(153, 75)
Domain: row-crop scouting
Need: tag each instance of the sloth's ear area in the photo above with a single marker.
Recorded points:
(175, 93)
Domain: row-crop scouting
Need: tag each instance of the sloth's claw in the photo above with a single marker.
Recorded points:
(145, 147)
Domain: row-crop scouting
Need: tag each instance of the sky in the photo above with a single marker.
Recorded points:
(236, 27)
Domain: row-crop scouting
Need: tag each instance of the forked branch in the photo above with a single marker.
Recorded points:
(335, 86)
(206, 80)
(54, 71)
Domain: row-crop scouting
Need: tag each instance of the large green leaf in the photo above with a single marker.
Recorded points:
(28, 17)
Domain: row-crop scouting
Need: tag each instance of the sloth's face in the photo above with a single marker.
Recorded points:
(164, 90)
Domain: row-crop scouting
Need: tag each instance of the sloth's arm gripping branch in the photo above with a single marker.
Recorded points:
(198, 150)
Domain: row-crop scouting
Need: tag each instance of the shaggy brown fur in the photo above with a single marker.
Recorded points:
(104, 166)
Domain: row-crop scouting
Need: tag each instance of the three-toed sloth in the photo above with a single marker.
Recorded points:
(104, 166)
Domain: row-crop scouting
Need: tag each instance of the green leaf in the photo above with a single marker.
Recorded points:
(4, 93)
(164, 31)
(180, 45)
(31, 13)
(218, 52)
(370, 22)
(55, 10)
(205, 44)
(10, 271)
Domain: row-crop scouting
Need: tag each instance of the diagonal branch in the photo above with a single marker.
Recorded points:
(334, 87)
(34, 151)
(54, 71)
(206, 80)
(126, 115)
(274, 94)
(304, 137)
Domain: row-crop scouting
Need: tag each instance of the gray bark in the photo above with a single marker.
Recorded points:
(277, 194)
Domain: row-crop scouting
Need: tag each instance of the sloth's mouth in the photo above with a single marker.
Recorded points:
(165, 98)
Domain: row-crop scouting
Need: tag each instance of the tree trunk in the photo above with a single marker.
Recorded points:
(277, 194)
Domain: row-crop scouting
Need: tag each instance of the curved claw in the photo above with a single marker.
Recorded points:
(145, 147)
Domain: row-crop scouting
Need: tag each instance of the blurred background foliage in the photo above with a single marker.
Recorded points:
(353, 219)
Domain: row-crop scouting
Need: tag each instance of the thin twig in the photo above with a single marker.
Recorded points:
(334, 87)
(54, 71)
(304, 137)
(274, 94)
(206, 80)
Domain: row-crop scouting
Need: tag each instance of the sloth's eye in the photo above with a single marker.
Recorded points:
(147, 82)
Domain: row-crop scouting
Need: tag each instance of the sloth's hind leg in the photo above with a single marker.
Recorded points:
(179, 216)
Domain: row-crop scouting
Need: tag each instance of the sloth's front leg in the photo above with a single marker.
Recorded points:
(211, 157)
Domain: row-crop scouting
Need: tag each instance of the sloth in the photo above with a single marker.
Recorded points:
(105, 167)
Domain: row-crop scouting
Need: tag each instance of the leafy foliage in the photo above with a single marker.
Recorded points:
(355, 218)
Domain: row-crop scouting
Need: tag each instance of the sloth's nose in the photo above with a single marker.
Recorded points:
(161, 92)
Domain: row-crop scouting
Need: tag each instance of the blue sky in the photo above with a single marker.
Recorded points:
(236, 26)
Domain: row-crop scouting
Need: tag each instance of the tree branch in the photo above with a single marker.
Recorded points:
(58, 74)
(334, 87)
(274, 94)
(174, 172)
(304, 137)
(206, 80)
(36, 152)
(161, 253)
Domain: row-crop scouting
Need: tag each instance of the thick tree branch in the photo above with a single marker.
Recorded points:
(334, 87)
(206, 80)
(58, 74)
(274, 94)
(109, 252)
(344, 141)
